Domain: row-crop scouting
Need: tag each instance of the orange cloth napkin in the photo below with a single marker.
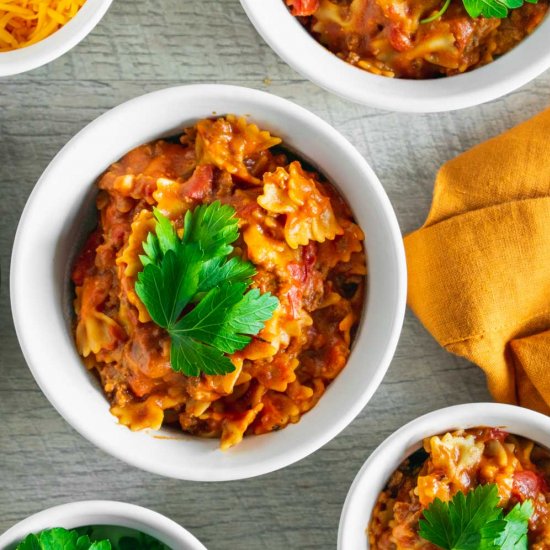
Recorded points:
(479, 268)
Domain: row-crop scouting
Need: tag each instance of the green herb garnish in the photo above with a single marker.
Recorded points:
(196, 270)
(61, 539)
(140, 541)
(475, 522)
(498, 9)
(84, 539)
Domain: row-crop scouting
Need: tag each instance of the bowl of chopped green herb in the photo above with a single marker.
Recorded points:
(167, 385)
(98, 525)
(471, 476)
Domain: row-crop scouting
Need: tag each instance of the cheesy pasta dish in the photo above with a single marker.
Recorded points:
(398, 38)
(294, 227)
(460, 461)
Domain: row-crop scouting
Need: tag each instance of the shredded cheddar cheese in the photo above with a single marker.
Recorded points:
(26, 22)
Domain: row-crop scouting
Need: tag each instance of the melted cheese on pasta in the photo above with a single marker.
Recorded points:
(457, 462)
(388, 37)
(295, 229)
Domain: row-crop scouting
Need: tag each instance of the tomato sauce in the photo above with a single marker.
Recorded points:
(392, 37)
(460, 461)
(294, 227)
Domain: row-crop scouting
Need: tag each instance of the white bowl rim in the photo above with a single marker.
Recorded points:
(306, 447)
(72, 515)
(285, 35)
(401, 443)
(57, 44)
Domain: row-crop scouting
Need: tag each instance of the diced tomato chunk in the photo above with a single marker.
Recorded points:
(498, 434)
(303, 7)
(86, 259)
(301, 272)
(399, 39)
(199, 185)
(527, 484)
(295, 300)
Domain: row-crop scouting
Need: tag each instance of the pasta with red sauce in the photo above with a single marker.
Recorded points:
(294, 227)
(395, 38)
(460, 461)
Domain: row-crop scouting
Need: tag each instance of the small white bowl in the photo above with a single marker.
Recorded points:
(103, 512)
(58, 43)
(303, 53)
(376, 471)
(57, 216)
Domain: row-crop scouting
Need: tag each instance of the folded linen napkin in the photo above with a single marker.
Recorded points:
(479, 267)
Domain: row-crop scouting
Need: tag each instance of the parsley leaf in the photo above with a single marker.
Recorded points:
(196, 270)
(225, 316)
(167, 288)
(212, 226)
(513, 533)
(498, 9)
(61, 539)
(475, 522)
(217, 270)
(30, 542)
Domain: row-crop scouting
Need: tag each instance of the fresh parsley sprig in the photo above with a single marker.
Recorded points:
(86, 538)
(498, 9)
(493, 8)
(196, 270)
(475, 522)
(62, 539)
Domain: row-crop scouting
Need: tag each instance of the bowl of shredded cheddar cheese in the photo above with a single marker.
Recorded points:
(35, 32)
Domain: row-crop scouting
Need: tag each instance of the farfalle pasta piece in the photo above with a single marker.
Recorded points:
(265, 250)
(174, 196)
(95, 331)
(279, 410)
(309, 214)
(140, 415)
(452, 456)
(233, 429)
(227, 142)
(129, 263)
(341, 249)
(167, 196)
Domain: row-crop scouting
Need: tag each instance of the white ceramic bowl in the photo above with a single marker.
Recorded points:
(291, 42)
(376, 471)
(55, 45)
(50, 232)
(103, 512)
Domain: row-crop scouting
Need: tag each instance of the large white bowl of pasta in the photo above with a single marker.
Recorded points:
(456, 449)
(130, 361)
(396, 55)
